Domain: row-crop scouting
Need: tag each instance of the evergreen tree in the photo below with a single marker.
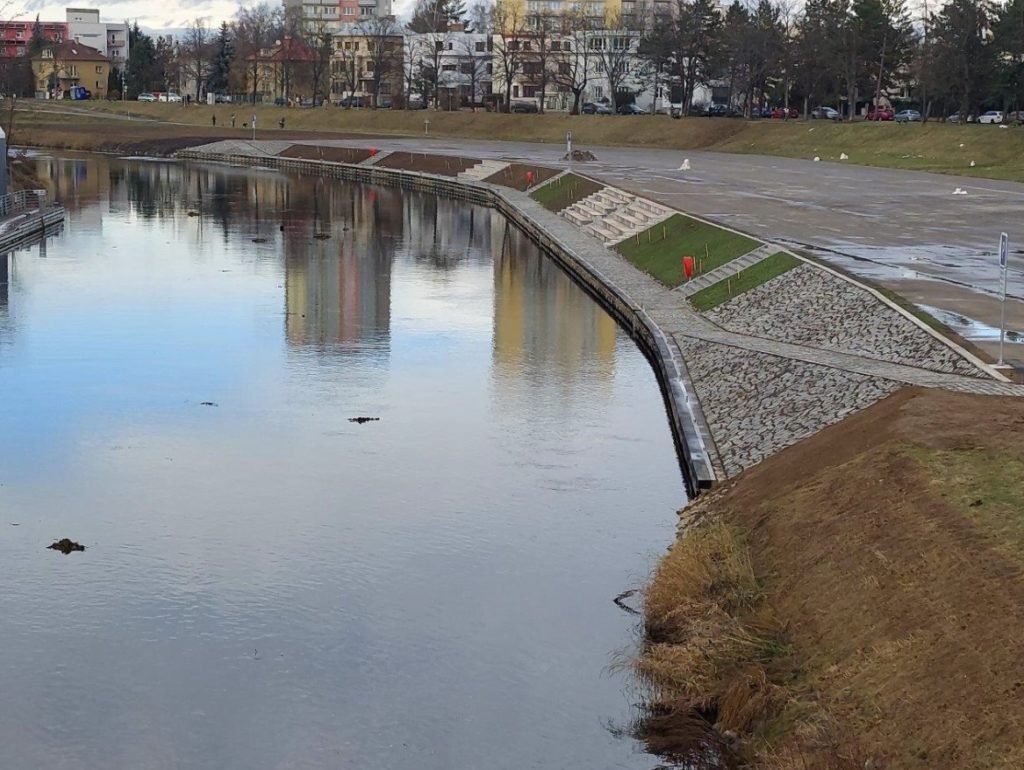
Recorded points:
(141, 70)
(38, 40)
(220, 69)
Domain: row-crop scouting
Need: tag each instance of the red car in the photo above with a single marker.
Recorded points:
(779, 113)
(880, 113)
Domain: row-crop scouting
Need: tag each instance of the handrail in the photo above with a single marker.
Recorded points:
(21, 200)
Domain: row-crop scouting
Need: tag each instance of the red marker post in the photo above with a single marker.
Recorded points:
(373, 151)
(688, 266)
(529, 179)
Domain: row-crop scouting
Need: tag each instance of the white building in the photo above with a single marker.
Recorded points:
(464, 65)
(111, 38)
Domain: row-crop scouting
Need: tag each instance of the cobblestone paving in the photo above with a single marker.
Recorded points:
(809, 306)
(759, 403)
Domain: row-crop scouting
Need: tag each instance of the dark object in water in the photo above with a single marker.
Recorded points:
(259, 240)
(322, 236)
(66, 546)
(193, 213)
(620, 602)
(361, 420)
(207, 403)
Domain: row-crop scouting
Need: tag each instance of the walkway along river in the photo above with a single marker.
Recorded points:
(265, 583)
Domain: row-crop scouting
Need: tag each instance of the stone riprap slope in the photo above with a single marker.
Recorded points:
(794, 399)
(811, 306)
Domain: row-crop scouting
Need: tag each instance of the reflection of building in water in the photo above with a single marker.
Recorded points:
(446, 232)
(338, 289)
(543, 322)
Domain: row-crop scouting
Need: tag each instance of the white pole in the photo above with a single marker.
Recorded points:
(1004, 255)
(254, 126)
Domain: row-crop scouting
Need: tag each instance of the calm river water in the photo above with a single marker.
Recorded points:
(266, 584)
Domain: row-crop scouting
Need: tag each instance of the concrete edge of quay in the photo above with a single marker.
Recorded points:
(691, 435)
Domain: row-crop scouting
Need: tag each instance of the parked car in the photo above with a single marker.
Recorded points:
(780, 113)
(222, 98)
(908, 116)
(596, 108)
(524, 107)
(170, 96)
(957, 117)
(880, 113)
(1016, 116)
(146, 98)
(992, 116)
(630, 109)
(825, 113)
(352, 101)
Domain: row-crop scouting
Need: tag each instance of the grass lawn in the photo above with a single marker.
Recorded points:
(660, 249)
(998, 153)
(561, 193)
(745, 280)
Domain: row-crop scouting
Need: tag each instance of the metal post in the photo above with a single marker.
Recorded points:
(254, 126)
(1004, 249)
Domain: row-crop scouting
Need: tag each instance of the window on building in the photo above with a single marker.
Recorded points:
(366, 10)
(530, 91)
(479, 46)
(438, 45)
(555, 45)
(515, 91)
(99, 69)
(598, 92)
(620, 43)
(451, 46)
(350, 11)
(467, 68)
(447, 68)
(597, 44)
(490, 68)
(566, 46)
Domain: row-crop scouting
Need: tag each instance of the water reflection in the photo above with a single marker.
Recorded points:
(268, 585)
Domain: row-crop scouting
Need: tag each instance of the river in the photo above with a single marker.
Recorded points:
(267, 585)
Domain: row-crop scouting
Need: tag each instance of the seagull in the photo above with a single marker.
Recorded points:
(843, 156)
(972, 164)
(816, 159)
(686, 165)
(959, 191)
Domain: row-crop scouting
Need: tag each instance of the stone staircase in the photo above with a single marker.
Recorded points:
(613, 215)
(482, 170)
(727, 270)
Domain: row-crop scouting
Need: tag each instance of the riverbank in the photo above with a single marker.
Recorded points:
(852, 601)
(975, 151)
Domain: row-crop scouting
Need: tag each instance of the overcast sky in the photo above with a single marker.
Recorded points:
(152, 14)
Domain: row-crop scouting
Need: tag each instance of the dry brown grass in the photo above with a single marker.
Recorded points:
(888, 548)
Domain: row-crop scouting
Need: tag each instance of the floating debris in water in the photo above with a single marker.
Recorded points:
(361, 420)
(322, 236)
(259, 240)
(207, 403)
(193, 213)
(66, 546)
(620, 602)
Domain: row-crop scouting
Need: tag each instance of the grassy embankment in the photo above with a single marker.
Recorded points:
(564, 191)
(998, 153)
(659, 250)
(855, 601)
(744, 280)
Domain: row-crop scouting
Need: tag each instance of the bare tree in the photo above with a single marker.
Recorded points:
(575, 61)
(473, 64)
(509, 25)
(320, 43)
(196, 51)
(616, 52)
(255, 28)
(384, 44)
(537, 61)
(344, 70)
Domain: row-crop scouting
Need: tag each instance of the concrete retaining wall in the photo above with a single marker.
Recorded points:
(686, 421)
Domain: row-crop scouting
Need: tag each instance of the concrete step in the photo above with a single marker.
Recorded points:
(727, 270)
(483, 170)
(576, 217)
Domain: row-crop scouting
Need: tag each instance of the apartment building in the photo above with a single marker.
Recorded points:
(110, 38)
(367, 66)
(462, 62)
(334, 16)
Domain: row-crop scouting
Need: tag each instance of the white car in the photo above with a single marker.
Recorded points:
(170, 96)
(992, 116)
(147, 98)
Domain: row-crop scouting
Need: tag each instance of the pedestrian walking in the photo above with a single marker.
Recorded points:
(213, 118)
(280, 123)
(232, 120)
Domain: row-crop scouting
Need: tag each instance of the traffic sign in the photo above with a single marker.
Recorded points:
(1004, 248)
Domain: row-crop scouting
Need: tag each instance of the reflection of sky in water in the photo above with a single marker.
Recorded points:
(268, 585)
